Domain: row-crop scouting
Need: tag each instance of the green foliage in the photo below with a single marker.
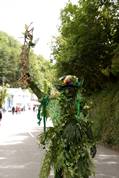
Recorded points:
(41, 72)
(73, 157)
(89, 34)
(45, 170)
(9, 55)
(105, 114)
(54, 111)
(68, 143)
(115, 63)
(10, 70)
(3, 94)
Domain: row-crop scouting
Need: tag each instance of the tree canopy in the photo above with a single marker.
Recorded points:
(89, 34)
(40, 69)
(9, 55)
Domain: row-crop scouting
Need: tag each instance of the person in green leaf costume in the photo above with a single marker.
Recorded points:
(70, 143)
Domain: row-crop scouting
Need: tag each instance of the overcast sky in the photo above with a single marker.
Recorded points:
(44, 14)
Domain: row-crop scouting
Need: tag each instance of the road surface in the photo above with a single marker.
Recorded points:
(21, 157)
(107, 163)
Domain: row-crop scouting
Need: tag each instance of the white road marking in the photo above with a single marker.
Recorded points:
(31, 134)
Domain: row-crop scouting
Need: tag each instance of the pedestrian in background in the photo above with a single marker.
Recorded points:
(13, 110)
(0, 115)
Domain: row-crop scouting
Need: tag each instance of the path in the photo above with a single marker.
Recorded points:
(21, 157)
(107, 163)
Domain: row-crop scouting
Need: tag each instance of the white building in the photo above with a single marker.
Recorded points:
(22, 98)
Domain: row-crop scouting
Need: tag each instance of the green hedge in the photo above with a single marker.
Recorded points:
(105, 114)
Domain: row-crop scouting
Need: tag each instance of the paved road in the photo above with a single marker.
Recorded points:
(107, 163)
(21, 157)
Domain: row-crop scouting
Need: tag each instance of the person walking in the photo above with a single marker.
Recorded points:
(13, 110)
(0, 115)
